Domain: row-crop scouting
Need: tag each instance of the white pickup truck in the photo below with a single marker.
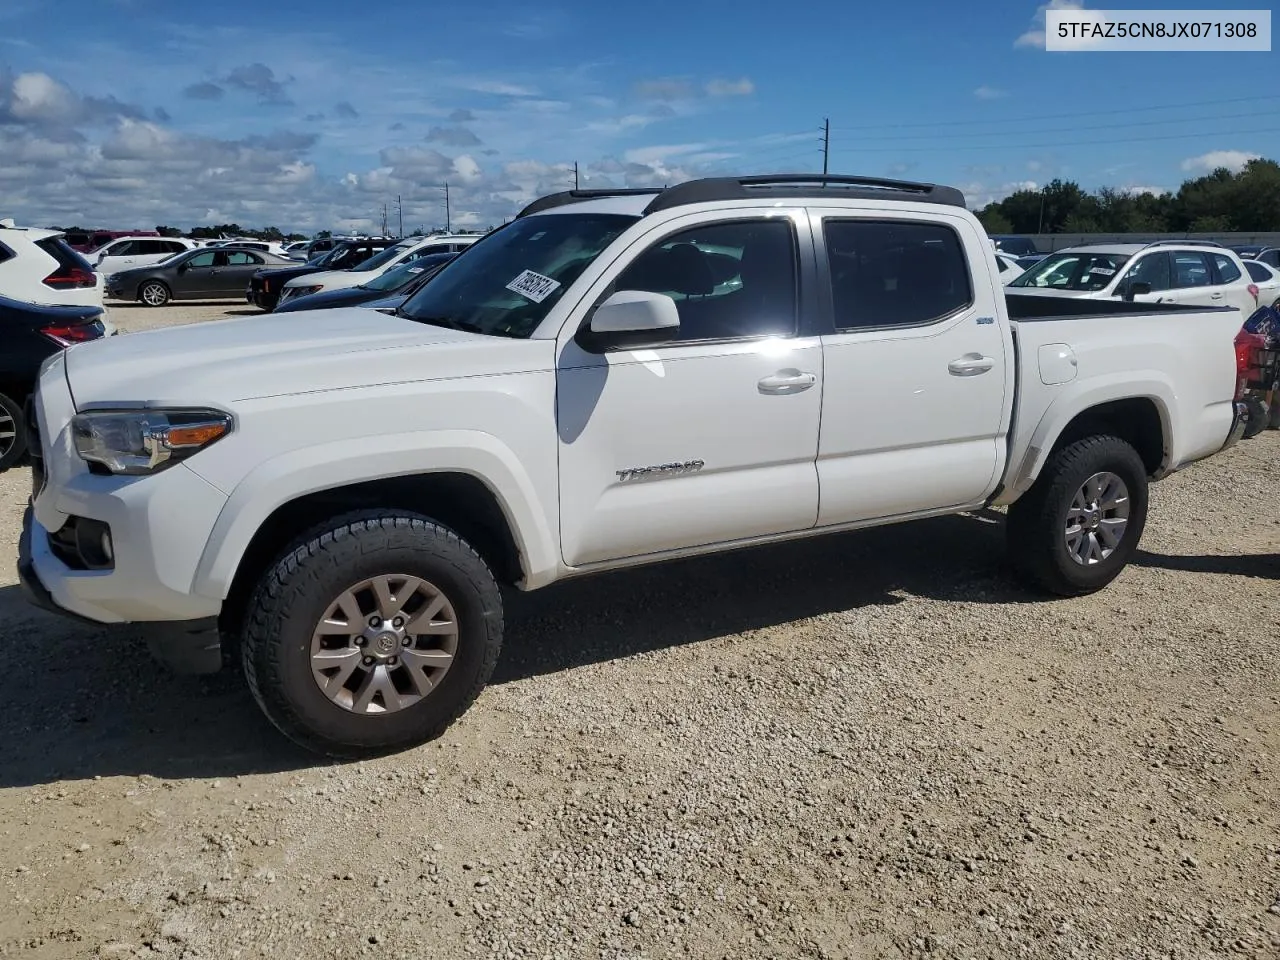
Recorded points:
(614, 378)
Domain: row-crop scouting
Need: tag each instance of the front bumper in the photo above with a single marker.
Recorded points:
(185, 646)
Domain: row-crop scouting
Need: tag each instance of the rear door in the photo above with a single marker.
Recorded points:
(1232, 286)
(239, 268)
(918, 365)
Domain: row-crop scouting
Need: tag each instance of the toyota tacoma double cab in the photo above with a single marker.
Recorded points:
(334, 499)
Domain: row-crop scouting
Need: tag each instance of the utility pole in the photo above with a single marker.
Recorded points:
(447, 220)
(826, 143)
(400, 211)
(384, 219)
(575, 174)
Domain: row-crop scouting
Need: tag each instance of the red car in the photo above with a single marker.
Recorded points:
(85, 241)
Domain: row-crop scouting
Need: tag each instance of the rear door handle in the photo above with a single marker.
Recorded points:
(1215, 296)
(787, 381)
(970, 365)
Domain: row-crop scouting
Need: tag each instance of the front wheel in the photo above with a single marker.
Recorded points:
(154, 293)
(13, 433)
(372, 634)
(1077, 527)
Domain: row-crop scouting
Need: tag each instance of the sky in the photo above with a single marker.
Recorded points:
(312, 115)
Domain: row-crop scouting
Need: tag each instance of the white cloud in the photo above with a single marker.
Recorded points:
(497, 88)
(1137, 191)
(1233, 160)
(742, 87)
(980, 193)
(656, 154)
(990, 93)
(1035, 36)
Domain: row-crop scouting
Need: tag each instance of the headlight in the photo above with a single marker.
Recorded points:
(303, 291)
(145, 441)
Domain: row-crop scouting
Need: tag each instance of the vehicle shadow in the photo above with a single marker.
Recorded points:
(81, 701)
(142, 307)
(1259, 565)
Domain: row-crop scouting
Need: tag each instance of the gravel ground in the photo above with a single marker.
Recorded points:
(870, 745)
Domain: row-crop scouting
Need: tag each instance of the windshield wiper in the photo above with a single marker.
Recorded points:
(450, 323)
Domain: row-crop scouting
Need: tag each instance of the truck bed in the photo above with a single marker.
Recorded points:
(1075, 353)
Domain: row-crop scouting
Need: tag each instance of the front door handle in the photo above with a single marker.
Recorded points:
(1215, 296)
(970, 365)
(787, 381)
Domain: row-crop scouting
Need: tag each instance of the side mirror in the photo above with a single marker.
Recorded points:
(637, 312)
(1137, 290)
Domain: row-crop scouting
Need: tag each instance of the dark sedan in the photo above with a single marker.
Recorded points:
(399, 281)
(208, 274)
(265, 285)
(29, 334)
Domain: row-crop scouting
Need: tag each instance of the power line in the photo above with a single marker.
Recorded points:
(1069, 143)
(1062, 116)
(1096, 126)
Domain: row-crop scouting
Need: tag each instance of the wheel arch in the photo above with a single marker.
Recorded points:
(1141, 413)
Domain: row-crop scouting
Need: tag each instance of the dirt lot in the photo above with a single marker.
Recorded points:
(872, 745)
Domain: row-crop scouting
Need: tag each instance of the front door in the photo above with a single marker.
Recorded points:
(708, 437)
(919, 367)
(195, 276)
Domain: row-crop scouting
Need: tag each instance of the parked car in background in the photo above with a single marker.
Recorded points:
(348, 493)
(37, 266)
(1166, 271)
(1030, 260)
(83, 241)
(1266, 283)
(265, 286)
(273, 247)
(29, 335)
(1014, 246)
(202, 274)
(297, 250)
(399, 281)
(1009, 268)
(128, 252)
(400, 252)
(1268, 255)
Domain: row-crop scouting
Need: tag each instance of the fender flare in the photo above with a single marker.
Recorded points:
(1080, 397)
(328, 466)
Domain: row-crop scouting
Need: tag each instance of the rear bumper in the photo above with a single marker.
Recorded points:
(1238, 425)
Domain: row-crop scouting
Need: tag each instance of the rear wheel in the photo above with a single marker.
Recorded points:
(13, 432)
(1076, 528)
(154, 293)
(375, 633)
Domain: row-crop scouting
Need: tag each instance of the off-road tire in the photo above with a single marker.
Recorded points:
(1037, 520)
(293, 593)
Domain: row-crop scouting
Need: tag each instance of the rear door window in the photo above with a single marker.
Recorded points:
(1228, 272)
(895, 273)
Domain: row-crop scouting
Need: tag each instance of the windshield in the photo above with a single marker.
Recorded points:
(397, 277)
(508, 282)
(386, 256)
(1073, 271)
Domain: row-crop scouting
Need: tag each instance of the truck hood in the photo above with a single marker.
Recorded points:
(224, 361)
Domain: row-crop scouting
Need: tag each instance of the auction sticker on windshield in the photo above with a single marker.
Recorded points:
(534, 286)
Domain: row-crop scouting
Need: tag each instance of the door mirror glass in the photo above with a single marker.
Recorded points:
(637, 311)
(1137, 289)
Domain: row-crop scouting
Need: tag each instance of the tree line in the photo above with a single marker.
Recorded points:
(1219, 202)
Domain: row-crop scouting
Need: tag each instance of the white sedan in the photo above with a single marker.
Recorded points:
(1266, 281)
(375, 266)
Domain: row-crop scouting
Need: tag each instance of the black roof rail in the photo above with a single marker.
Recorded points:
(553, 200)
(712, 189)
